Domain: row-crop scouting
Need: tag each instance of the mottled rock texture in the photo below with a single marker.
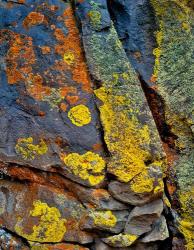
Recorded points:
(96, 121)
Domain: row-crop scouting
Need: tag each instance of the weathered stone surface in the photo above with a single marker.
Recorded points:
(173, 71)
(99, 245)
(41, 213)
(79, 147)
(46, 93)
(159, 231)
(60, 246)
(129, 193)
(141, 218)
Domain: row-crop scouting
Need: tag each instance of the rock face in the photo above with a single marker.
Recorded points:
(95, 99)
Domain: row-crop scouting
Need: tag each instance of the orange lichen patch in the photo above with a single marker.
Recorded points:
(20, 47)
(67, 90)
(13, 75)
(100, 194)
(34, 18)
(45, 50)
(69, 48)
(97, 146)
(72, 99)
(171, 188)
(63, 107)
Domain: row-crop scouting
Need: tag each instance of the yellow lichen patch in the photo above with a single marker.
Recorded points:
(186, 228)
(80, 115)
(51, 227)
(28, 150)
(89, 166)
(125, 240)
(104, 218)
(186, 223)
(39, 247)
(125, 137)
(69, 58)
(142, 183)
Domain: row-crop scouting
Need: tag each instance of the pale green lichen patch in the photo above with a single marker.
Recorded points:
(95, 18)
(28, 150)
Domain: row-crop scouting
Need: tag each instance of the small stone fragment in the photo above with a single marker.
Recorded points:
(123, 192)
(159, 231)
(106, 220)
(141, 218)
(121, 240)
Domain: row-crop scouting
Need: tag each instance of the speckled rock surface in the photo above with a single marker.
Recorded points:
(96, 109)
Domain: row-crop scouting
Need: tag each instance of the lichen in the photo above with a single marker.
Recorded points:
(103, 218)
(142, 183)
(127, 160)
(69, 57)
(80, 115)
(51, 227)
(123, 240)
(28, 150)
(54, 98)
(95, 18)
(89, 166)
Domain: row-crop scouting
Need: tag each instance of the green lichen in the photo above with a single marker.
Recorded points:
(95, 18)
(54, 98)
(28, 150)
(51, 227)
(174, 67)
(128, 137)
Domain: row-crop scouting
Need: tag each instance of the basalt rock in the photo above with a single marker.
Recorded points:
(96, 108)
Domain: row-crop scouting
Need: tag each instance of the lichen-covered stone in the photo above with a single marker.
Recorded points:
(174, 75)
(121, 101)
(42, 213)
(113, 222)
(46, 93)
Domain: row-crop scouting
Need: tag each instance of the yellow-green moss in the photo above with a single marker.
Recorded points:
(51, 227)
(104, 218)
(80, 115)
(89, 166)
(124, 136)
(28, 150)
